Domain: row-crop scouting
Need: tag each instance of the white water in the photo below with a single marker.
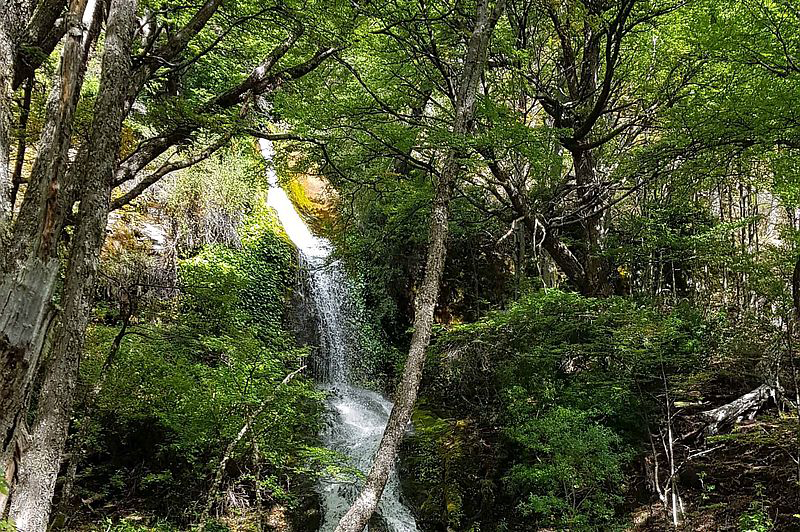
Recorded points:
(357, 417)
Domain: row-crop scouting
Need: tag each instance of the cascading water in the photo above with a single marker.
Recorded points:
(357, 417)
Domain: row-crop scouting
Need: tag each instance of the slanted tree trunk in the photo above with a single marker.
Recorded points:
(42, 33)
(39, 464)
(213, 492)
(365, 504)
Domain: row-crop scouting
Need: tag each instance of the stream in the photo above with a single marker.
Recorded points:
(356, 417)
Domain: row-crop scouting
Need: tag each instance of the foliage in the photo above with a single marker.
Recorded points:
(572, 471)
(181, 389)
(756, 518)
(558, 390)
(5, 525)
(536, 405)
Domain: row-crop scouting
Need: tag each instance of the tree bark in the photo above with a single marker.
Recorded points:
(745, 407)
(564, 258)
(29, 257)
(42, 34)
(796, 288)
(39, 464)
(597, 281)
(75, 452)
(365, 504)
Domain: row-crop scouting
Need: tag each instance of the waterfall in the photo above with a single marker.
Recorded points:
(356, 417)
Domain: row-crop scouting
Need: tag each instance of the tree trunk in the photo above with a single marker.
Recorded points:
(796, 288)
(22, 141)
(29, 257)
(213, 492)
(42, 33)
(75, 452)
(365, 504)
(231, 447)
(564, 258)
(596, 280)
(39, 465)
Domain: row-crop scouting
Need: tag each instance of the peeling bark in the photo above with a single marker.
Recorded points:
(30, 258)
(39, 465)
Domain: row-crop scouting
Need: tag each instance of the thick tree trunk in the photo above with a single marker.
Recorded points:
(596, 281)
(39, 464)
(30, 254)
(365, 504)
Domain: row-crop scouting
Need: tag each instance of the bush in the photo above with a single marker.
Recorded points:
(557, 392)
(570, 468)
(182, 387)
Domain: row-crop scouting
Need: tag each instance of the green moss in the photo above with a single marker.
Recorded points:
(300, 199)
(428, 424)
(439, 461)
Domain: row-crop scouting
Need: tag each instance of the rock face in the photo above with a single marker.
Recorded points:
(307, 516)
(314, 199)
(317, 190)
(304, 319)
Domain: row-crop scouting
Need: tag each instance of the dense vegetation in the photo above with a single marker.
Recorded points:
(541, 413)
(176, 369)
(574, 224)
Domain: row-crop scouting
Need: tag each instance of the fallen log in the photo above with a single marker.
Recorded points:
(745, 407)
